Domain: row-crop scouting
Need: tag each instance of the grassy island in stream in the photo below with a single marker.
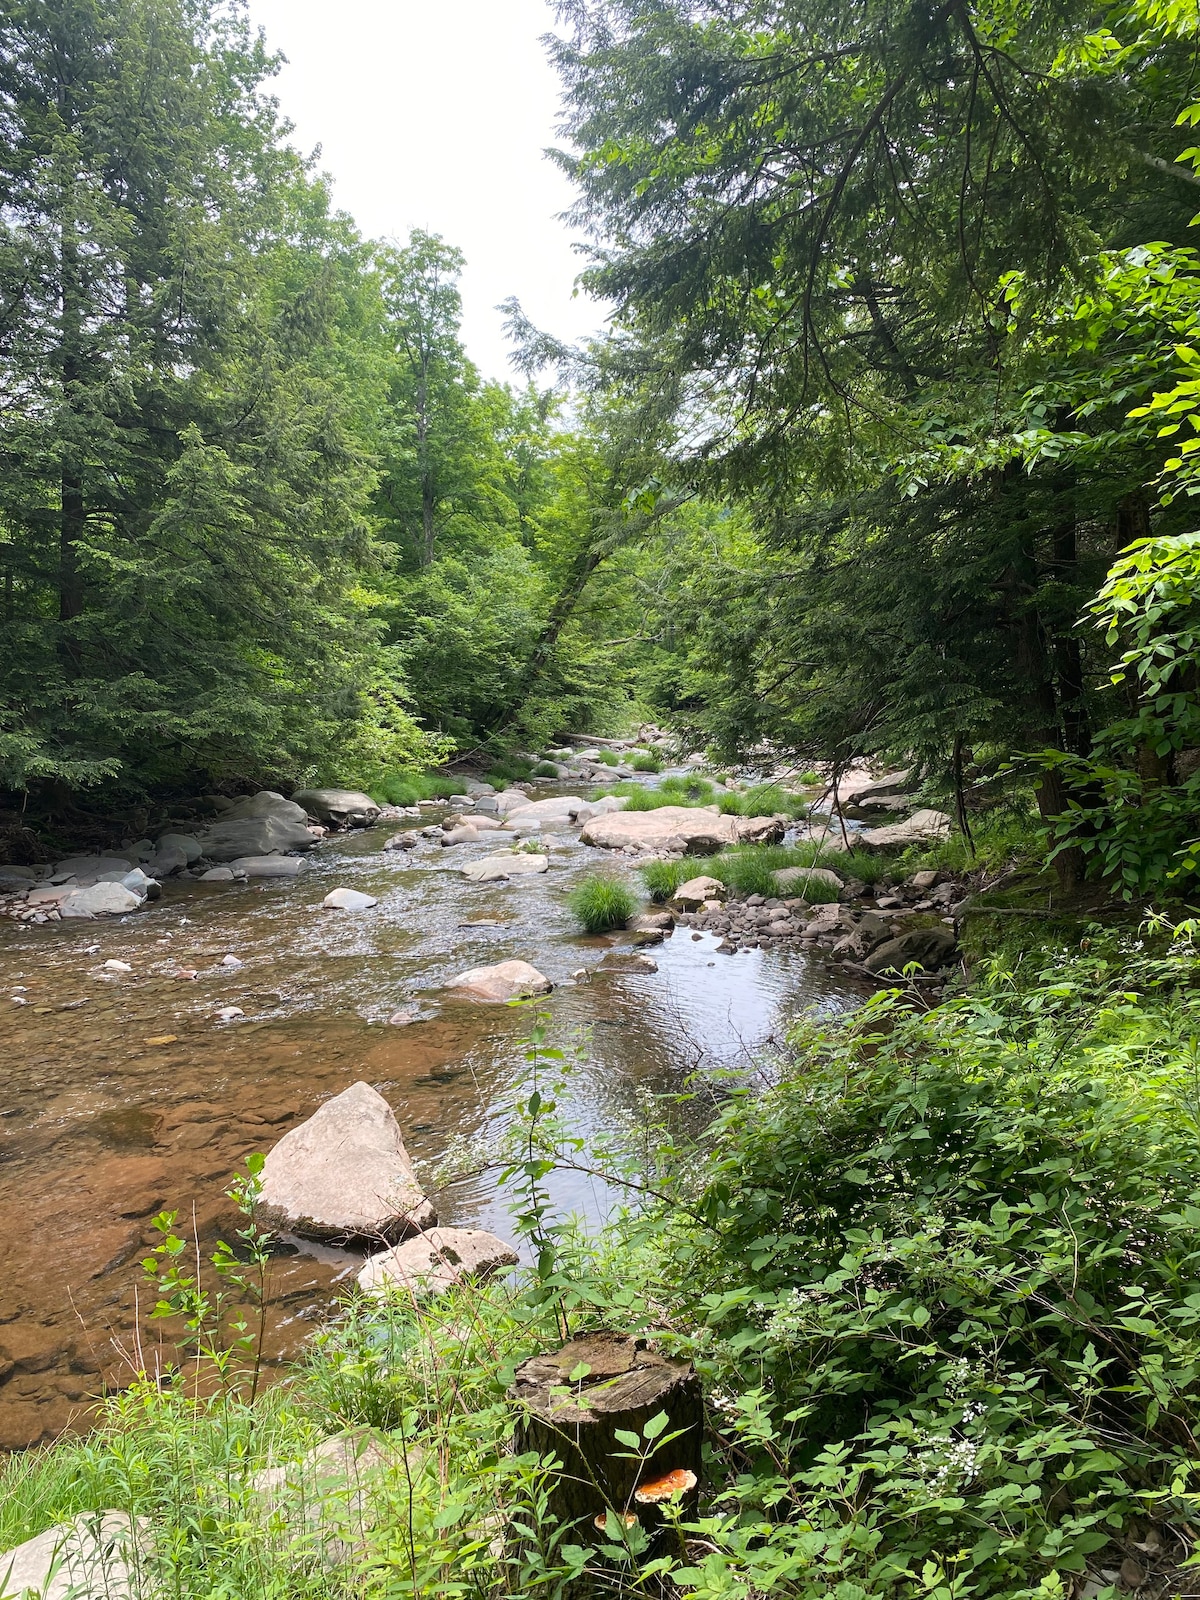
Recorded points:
(941, 1278)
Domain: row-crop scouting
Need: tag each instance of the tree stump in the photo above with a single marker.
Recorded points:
(624, 1387)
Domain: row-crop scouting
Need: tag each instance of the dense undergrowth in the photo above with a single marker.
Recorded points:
(940, 1275)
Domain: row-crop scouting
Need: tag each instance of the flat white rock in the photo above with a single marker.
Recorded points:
(100, 900)
(344, 1174)
(435, 1261)
(490, 869)
(98, 1555)
(348, 900)
(507, 980)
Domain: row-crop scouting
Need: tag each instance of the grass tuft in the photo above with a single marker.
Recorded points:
(544, 769)
(601, 903)
(747, 870)
(406, 788)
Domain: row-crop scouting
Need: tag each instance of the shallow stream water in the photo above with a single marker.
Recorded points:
(102, 1124)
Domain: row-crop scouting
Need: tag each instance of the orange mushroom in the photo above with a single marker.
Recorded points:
(627, 1517)
(665, 1488)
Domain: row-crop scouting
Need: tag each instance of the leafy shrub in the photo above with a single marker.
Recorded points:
(601, 903)
(944, 1283)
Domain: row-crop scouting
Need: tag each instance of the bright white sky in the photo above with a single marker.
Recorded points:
(434, 114)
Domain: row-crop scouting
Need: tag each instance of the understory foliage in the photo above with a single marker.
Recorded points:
(939, 1274)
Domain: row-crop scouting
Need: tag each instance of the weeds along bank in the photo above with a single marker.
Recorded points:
(941, 1279)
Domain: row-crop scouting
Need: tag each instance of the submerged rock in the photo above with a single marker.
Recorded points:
(507, 980)
(436, 1261)
(344, 1174)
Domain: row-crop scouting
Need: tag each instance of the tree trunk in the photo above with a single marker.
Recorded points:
(625, 1387)
(72, 510)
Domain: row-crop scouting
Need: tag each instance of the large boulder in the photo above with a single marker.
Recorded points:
(436, 1261)
(185, 843)
(98, 1555)
(557, 806)
(89, 869)
(511, 800)
(683, 829)
(100, 900)
(257, 825)
(923, 827)
(930, 948)
(494, 869)
(508, 980)
(338, 808)
(601, 807)
(759, 830)
(344, 1174)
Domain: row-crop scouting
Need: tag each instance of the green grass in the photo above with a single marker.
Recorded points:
(644, 761)
(670, 792)
(406, 788)
(601, 903)
(763, 800)
(511, 769)
(749, 869)
(608, 758)
(544, 769)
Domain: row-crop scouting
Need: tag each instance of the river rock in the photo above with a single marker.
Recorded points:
(600, 808)
(98, 1555)
(930, 947)
(338, 808)
(627, 961)
(466, 834)
(653, 922)
(511, 800)
(558, 805)
(89, 869)
(759, 830)
(923, 827)
(268, 866)
(217, 875)
(492, 869)
(408, 840)
(100, 900)
(344, 1174)
(436, 1261)
(682, 829)
(188, 843)
(348, 900)
(692, 894)
(865, 933)
(797, 879)
(256, 826)
(508, 980)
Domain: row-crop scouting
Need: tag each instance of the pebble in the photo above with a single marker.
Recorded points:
(188, 973)
(227, 1013)
(232, 961)
(401, 1019)
(117, 966)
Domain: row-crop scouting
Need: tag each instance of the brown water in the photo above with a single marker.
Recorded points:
(100, 1128)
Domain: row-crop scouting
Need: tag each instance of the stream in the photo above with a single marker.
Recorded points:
(123, 1094)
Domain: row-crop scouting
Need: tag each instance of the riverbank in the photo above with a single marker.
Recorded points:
(897, 1265)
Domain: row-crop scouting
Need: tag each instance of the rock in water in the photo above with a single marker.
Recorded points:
(338, 808)
(692, 894)
(256, 826)
(691, 830)
(923, 827)
(344, 1174)
(931, 948)
(436, 1261)
(508, 980)
(98, 1555)
(467, 833)
(491, 869)
(403, 841)
(268, 866)
(100, 900)
(348, 900)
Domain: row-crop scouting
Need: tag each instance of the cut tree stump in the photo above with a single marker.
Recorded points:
(625, 1385)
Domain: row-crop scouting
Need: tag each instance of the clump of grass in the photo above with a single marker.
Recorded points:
(601, 903)
(646, 761)
(544, 769)
(748, 870)
(763, 800)
(670, 792)
(608, 758)
(511, 769)
(406, 788)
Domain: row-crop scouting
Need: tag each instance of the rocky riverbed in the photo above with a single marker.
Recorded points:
(146, 1053)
